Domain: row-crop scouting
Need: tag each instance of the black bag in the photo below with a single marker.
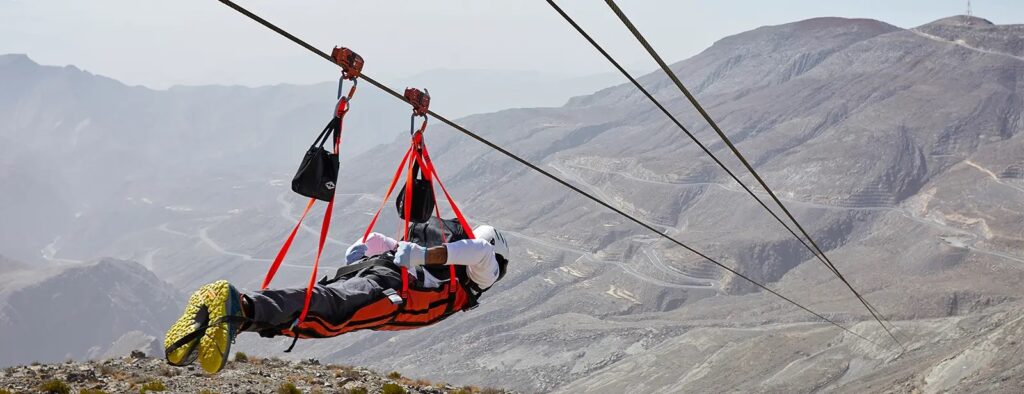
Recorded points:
(317, 176)
(422, 199)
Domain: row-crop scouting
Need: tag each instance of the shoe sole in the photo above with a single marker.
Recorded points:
(185, 325)
(215, 344)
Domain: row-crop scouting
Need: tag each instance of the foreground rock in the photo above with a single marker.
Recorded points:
(142, 374)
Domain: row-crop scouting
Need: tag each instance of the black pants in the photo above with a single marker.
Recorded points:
(335, 302)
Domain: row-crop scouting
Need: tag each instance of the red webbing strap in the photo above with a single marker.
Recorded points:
(428, 170)
(455, 208)
(458, 214)
(408, 213)
(326, 226)
(316, 262)
(284, 248)
(394, 181)
(437, 207)
(408, 193)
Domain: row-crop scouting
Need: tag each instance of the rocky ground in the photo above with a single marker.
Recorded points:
(139, 373)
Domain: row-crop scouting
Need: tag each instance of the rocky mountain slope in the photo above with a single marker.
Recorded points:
(900, 150)
(84, 311)
(249, 375)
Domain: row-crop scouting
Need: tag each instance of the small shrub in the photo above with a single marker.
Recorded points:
(288, 388)
(347, 374)
(5, 391)
(491, 390)
(106, 370)
(155, 385)
(395, 375)
(357, 390)
(391, 388)
(91, 391)
(36, 364)
(55, 387)
(241, 357)
(168, 372)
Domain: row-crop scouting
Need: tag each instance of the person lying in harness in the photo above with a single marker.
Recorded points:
(367, 293)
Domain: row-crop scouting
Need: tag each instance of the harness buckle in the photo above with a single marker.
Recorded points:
(393, 297)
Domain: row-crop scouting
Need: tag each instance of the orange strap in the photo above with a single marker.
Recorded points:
(284, 248)
(325, 228)
(340, 111)
(391, 188)
(428, 170)
(455, 207)
(316, 262)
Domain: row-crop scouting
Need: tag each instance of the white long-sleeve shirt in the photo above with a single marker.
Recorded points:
(476, 254)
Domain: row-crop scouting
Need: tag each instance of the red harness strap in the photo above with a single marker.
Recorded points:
(284, 248)
(423, 306)
(339, 112)
(455, 207)
(391, 188)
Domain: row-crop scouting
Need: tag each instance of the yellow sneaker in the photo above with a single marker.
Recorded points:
(206, 329)
(225, 313)
(180, 342)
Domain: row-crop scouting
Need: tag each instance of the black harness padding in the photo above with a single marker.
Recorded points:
(387, 260)
(429, 234)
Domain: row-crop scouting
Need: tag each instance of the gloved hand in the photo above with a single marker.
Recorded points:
(410, 255)
(355, 252)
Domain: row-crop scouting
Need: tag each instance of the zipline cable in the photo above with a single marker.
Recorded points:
(534, 167)
(704, 148)
(816, 253)
(679, 84)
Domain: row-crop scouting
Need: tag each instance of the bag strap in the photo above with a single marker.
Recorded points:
(330, 130)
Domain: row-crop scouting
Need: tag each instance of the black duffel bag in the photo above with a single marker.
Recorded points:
(317, 176)
(422, 199)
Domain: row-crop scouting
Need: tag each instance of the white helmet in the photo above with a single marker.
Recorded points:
(490, 234)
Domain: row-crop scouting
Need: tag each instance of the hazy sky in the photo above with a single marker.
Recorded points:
(162, 43)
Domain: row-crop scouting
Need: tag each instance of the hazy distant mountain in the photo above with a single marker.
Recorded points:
(900, 150)
(106, 308)
(76, 148)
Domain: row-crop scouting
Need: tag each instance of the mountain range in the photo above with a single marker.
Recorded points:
(900, 150)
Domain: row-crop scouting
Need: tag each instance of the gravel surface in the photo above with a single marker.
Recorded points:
(138, 373)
